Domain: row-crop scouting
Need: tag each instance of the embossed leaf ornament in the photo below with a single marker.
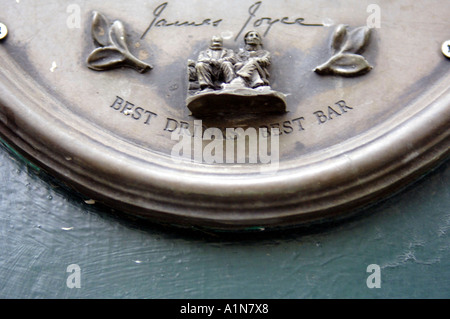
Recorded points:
(112, 50)
(347, 60)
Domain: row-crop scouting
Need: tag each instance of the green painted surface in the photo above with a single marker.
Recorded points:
(44, 229)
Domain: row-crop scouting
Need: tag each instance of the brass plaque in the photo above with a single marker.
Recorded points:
(228, 114)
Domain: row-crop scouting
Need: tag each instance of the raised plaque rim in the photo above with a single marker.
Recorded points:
(332, 184)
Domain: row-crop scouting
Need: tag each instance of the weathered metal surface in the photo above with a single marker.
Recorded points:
(348, 137)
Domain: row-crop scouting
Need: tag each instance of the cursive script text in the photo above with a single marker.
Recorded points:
(157, 22)
(252, 20)
(269, 22)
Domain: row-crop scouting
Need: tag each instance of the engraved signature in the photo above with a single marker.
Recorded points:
(252, 21)
(157, 22)
(269, 22)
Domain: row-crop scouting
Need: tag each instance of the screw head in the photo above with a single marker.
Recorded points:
(446, 48)
(3, 31)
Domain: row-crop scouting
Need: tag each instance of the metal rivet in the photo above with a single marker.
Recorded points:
(3, 31)
(446, 48)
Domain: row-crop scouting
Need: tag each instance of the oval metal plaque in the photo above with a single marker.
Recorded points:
(228, 114)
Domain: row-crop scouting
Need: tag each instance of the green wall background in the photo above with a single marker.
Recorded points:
(45, 228)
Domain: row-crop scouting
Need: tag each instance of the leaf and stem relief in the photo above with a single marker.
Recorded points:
(347, 59)
(112, 49)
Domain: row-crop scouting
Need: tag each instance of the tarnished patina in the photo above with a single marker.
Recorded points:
(312, 110)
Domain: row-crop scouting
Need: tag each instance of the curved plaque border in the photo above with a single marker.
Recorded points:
(325, 185)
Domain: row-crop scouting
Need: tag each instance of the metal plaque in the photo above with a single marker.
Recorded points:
(228, 114)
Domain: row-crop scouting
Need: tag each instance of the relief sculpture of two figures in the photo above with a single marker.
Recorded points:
(224, 82)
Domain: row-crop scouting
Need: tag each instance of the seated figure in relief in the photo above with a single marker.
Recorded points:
(253, 62)
(215, 66)
(223, 82)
